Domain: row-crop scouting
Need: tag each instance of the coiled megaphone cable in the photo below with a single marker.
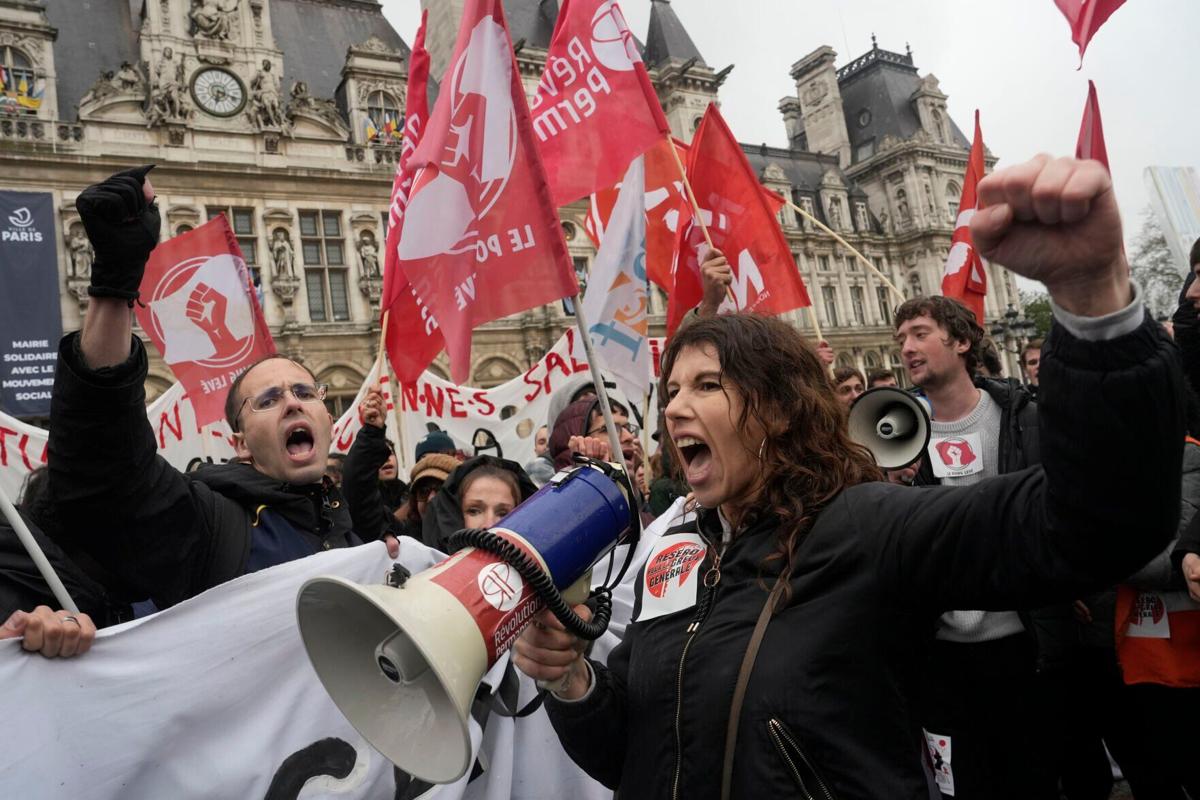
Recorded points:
(541, 583)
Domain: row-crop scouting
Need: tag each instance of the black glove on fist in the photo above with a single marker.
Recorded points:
(123, 228)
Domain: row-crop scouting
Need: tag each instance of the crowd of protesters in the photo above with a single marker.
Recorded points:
(986, 597)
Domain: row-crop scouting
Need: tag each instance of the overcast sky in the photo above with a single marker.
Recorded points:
(1012, 59)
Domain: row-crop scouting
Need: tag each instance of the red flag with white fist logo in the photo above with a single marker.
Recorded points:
(481, 237)
(965, 277)
(201, 311)
(594, 110)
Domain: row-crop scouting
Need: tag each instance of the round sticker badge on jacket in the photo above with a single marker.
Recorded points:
(671, 576)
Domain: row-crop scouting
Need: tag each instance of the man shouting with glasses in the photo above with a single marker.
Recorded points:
(166, 534)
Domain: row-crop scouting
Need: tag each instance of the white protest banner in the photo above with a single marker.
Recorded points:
(180, 440)
(501, 421)
(214, 697)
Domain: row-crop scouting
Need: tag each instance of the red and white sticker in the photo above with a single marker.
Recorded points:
(672, 575)
(939, 760)
(1150, 618)
(956, 456)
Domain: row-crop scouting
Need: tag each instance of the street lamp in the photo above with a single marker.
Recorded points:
(1013, 329)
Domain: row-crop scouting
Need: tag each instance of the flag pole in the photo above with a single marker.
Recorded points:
(614, 440)
(812, 313)
(397, 395)
(35, 552)
(847, 245)
(696, 215)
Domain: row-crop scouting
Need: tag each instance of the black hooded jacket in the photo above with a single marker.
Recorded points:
(168, 535)
(443, 517)
(827, 709)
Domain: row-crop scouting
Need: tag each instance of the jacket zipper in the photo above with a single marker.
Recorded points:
(780, 734)
(711, 578)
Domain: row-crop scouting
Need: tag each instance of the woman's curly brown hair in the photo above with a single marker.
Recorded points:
(808, 457)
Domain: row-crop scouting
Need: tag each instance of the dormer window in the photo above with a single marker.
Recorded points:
(385, 124)
(19, 93)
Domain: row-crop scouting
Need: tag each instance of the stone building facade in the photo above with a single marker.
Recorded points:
(278, 113)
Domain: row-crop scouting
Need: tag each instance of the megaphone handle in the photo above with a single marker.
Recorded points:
(574, 594)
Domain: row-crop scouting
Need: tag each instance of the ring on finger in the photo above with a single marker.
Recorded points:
(72, 618)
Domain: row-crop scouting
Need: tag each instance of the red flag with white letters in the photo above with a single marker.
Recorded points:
(481, 237)
(201, 312)
(965, 276)
(742, 222)
(412, 337)
(1091, 131)
(1085, 18)
(594, 110)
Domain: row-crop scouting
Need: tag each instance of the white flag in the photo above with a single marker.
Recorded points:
(616, 301)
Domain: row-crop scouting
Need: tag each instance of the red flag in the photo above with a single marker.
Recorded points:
(412, 338)
(666, 208)
(1091, 131)
(594, 110)
(201, 311)
(481, 237)
(742, 222)
(965, 278)
(1086, 17)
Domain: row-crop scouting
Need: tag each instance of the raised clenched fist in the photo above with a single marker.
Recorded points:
(122, 223)
(1055, 220)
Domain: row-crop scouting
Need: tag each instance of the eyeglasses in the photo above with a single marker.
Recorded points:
(632, 427)
(272, 396)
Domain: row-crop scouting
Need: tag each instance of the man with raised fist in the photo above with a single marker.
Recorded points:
(168, 534)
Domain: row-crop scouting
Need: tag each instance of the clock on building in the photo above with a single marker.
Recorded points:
(218, 92)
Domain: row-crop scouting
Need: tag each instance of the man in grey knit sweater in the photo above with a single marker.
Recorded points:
(979, 685)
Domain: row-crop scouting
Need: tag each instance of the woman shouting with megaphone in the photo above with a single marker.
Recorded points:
(777, 640)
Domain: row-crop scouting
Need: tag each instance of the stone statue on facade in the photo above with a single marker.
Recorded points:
(835, 215)
(266, 108)
(282, 255)
(212, 19)
(105, 86)
(368, 256)
(81, 252)
(304, 103)
(128, 79)
(168, 100)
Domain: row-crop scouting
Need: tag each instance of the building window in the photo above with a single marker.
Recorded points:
(338, 404)
(829, 294)
(885, 304)
(581, 275)
(242, 222)
(823, 263)
(384, 122)
(18, 93)
(851, 263)
(858, 304)
(182, 229)
(324, 266)
(953, 195)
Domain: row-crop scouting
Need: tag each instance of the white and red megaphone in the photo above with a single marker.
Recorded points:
(403, 662)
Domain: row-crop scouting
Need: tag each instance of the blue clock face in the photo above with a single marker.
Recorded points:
(218, 92)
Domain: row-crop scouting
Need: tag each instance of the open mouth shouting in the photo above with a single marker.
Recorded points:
(697, 459)
(299, 442)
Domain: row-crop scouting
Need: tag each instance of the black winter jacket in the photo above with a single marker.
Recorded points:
(169, 535)
(360, 483)
(1019, 446)
(827, 711)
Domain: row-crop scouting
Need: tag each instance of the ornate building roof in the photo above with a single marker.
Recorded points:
(315, 34)
(91, 44)
(877, 91)
(667, 39)
(531, 20)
